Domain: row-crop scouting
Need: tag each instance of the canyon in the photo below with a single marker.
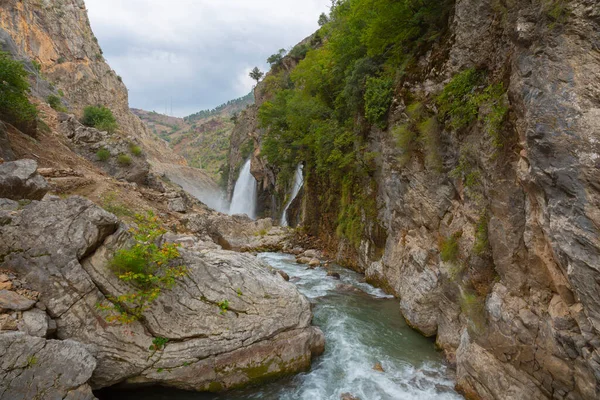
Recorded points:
(464, 183)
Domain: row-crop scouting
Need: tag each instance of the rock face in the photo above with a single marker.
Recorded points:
(61, 248)
(35, 368)
(520, 317)
(19, 180)
(120, 162)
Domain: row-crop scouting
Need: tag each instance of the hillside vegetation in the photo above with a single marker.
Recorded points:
(201, 138)
(321, 112)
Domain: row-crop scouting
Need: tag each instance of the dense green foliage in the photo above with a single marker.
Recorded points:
(14, 86)
(99, 117)
(314, 112)
(147, 266)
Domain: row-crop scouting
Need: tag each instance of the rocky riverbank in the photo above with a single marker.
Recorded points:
(55, 255)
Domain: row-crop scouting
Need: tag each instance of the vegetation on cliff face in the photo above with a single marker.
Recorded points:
(15, 107)
(320, 112)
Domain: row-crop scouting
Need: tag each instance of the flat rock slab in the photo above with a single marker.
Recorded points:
(14, 301)
(36, 368)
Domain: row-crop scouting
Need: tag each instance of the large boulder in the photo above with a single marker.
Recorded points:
(61, 248)
(239, 232)
(19, 180)
(36, 368)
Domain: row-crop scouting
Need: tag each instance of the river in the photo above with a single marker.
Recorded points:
(363, 326)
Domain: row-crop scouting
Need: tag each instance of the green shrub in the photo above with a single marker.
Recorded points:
(99, 117)
(37, 66)
(124, 160)
(493, 97)
(458, 102)
(61, 60)
(148, 267)
(224, 306)
(103, 154)
(449, 249)
(55, 102)
(378, 97)
(110, 204)
(482, 243)
(14, 104)
(473, 307)
(61, 93)
(406, 139)
(135, 150)
(158, 343)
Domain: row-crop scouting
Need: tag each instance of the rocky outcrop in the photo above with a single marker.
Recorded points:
(515, 305)
(61, 249)
(19, 180)
(119, 161)
(36, 368)
(238, 232)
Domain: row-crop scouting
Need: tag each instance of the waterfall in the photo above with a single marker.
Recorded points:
(244, 194)
(298, 182)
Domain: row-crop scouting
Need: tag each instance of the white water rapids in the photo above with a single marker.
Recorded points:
(363, 326)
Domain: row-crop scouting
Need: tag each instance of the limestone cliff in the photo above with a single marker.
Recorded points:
(496, 252)
(57, 36)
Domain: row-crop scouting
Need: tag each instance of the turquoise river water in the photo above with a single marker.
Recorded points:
(363, 326)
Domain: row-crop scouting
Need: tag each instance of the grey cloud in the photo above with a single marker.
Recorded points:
(196, 52)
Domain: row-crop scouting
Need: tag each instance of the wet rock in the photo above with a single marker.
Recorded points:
(312, 254)
(35, 368)
(378, 367)
(284, 275)
(19, 180)
(315, 262)
(334, 275)
(303, 260)
(13, 301)
(348, 396)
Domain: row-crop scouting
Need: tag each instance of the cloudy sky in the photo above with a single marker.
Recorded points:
(197, 52)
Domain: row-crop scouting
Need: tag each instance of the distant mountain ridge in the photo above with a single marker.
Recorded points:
(202, 138)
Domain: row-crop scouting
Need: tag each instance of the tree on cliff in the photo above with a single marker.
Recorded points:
(256, 74)
(276, 58)
(14, 86)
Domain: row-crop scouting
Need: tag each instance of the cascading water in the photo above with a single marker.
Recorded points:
(363, 327)
(298, 182)
(244, 194)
